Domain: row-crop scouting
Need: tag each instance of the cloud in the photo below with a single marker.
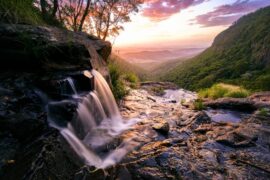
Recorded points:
(162, 9)
(227, 14)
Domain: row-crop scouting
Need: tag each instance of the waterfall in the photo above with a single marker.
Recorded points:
(71, 83)
(67, 87)
(97, 124)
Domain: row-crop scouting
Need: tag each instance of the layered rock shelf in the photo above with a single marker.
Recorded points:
(192, 146)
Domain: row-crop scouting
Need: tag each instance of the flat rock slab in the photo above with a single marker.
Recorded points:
(194, 147)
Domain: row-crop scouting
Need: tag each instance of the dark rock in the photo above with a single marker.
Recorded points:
(261, 96)
(198, 148)
(32, 48)
(202, 118)
(162, 127)
(242, 104)
(42, 159)
(33, 61)
(237, 140)
(61, 112)
(204, 129)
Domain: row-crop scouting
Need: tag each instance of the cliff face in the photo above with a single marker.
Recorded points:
(35, 63)
(50, 49)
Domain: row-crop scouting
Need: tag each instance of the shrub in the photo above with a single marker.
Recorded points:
(121, 79)
(198, 105)
(118, 87)
(238, 94)
(183, 101)
(23, 11)
(263, 112)
(223, 90)
(119, 90)
(262, 82)
(132, 79)
(158, 90)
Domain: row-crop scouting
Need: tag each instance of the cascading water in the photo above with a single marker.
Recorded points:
(98, 123)
(67, 87)
(71, 83)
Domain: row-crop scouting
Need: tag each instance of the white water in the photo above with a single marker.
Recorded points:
(98, 123)
(71, 83)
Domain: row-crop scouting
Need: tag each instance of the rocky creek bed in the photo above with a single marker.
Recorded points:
(176, 142)
(170, 141)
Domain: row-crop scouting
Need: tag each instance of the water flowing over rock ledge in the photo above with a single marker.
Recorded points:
(36, 66)
(170, 141)
(179, 143)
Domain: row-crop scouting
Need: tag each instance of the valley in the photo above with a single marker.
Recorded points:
(134, 90)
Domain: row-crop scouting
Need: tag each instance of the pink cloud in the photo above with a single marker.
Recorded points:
(227, 14)
(162, 9)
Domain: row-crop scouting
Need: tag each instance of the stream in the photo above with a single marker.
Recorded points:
(216, 115)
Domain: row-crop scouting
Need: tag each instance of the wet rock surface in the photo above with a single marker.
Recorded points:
(256, 101)
(194, 146)
(35, 64)
(172, 141)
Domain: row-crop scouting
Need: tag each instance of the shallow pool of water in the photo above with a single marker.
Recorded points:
(224, 115)
(180, 95)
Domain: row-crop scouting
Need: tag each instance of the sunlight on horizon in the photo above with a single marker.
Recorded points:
(178, 31)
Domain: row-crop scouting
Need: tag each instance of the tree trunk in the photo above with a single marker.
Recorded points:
(108, 22)
(55, 8)
(43, 5)
(86, 11)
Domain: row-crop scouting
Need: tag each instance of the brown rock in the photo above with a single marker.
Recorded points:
(162, 127)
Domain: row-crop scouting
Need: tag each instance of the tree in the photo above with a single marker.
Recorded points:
(100, 17)
(55, 8)
(70, 12)
(73, 13)
(108, 16)
(86, 12)
(49, 8)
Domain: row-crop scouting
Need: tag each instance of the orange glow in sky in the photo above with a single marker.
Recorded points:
(181, 29)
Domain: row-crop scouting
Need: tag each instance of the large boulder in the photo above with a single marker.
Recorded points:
(36, 48)
(254, 102)
(36, 64)
(232, 103)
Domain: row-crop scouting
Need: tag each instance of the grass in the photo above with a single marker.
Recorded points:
(198, 105)
(223, 90)
(118, 87)
(120, 79)
(20, 11)
(263, 112)
(131, 79)
(25, 12)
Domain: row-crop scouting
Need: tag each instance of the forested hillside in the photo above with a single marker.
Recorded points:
(239, 55)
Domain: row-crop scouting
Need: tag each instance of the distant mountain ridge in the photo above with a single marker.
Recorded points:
(159, 55)
(239, 55)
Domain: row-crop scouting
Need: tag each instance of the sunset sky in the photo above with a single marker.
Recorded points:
(182, 23)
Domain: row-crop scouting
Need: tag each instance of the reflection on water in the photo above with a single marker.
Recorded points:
(224, 115)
